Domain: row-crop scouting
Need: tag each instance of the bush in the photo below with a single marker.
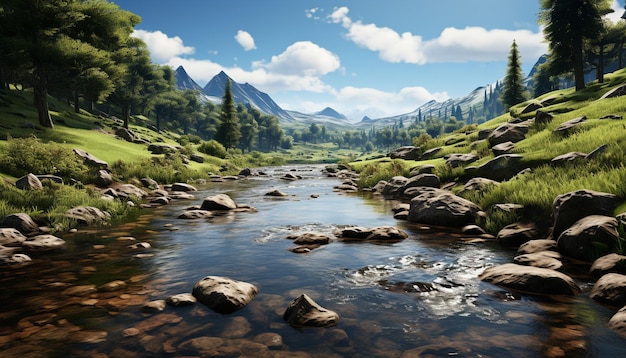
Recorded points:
(213, 148)
(374, 172)
(30, 155)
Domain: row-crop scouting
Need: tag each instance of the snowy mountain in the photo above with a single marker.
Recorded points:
(329, 112)
(184, 82)
(244, 93)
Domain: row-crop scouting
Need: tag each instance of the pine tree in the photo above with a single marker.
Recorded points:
(513, 91)
(228, 133)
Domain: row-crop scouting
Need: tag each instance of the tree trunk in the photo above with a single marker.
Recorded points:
(600, 74)
(158, 121)
(620, 55)
(579, 71)
(126, 115)
(76, 102)
(40, 91)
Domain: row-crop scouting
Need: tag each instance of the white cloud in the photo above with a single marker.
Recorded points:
(303, 58)
(161, 46)
(618, 11)
(452, 45)
(312, 13)
(245, 40)
(354, 100)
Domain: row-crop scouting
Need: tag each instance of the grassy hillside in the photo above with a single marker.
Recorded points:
(536, 189)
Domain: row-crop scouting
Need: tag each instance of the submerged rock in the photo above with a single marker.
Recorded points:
(611, 263)
(303, 311)
(610, 289)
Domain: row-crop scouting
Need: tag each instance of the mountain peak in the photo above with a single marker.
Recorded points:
(329, 112)
(184, 81)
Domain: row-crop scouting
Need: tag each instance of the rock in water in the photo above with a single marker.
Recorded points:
(224, 295)
(303, 311)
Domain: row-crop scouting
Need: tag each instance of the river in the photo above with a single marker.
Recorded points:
(418, 297)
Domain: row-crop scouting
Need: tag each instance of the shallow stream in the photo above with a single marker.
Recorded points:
(418, 297)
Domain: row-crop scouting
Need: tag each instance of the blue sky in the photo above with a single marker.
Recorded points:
(360, 57)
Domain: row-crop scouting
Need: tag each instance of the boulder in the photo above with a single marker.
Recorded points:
(538, 245)
(162, 148)
(246, 172)
(502, 148)
(517, 234)
(276, 193)
(531, 107)
(196, 158)
(457, 160)
(479, 184)
(544, 259)
(43, 243)
(422, 180)
(88, 215)
(184, 187)
(14, 259)
(589, 238)
(90, 160)
(195, 214)
(615, 92)
(21, 222)
(149, 183)
(507, 132)
(442, 208)
(530, 279)
(573, 206)
(125, 134)
(222, 294)
(127, 190)
(304, 312)
(30, 182)
(103, 179)
(11, 237)
(611, 263)
(395, 186)
(218, 202)
(483, 134)
(610, 289)
(406, 153)
(502, 167)
(542, 117)
(431, 153)
(618, 322)
(566, 128)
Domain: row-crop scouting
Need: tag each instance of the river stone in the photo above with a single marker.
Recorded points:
(304, 312)
(618, 322)
(43, 243)
(275, 192)
(149, 183)
(127, 190)
(517, 234)
(611, 263)
(589, 238)
(222, 294)
(395, 186)
(181, 299)
(610, 289)
(479, 184)
(442, 208)
(11, 237)
(270, 339)
(29, 181)
(183, 187)
(309, 238)
(218, 202)
(381, 233)
(537, 245)
(153, 306)
(422, 180)
(195, 214)
(112, 286)
(544, 259)
(15, 259)
(21, 222)
(457, 160)
(568, 208)
(531, 279)
(88, 215)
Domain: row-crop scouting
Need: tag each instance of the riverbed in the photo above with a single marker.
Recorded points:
(417, 297)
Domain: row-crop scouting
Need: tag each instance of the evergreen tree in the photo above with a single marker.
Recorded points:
(228, 133)
(568, 24)
(513, 87)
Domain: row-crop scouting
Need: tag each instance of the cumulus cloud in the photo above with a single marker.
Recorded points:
(161, 46)
(303, 58)
(245, 40)
(453, 44)
(618, 11)
(360, 100)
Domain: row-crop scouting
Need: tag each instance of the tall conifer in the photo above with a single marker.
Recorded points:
(513, 91)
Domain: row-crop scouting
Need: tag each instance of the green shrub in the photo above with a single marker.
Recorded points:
(163, 170)
(30, 155)
(213, 148)
(374, 172)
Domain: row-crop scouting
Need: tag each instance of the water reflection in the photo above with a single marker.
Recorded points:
(418, 297)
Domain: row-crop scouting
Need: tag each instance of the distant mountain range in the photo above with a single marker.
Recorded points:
(248, 94)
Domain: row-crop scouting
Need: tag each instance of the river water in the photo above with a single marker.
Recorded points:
(418, 297)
